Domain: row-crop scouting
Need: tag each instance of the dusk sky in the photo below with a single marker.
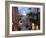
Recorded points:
(23, 10)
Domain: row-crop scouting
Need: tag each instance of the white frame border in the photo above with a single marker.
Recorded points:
(25, 32)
